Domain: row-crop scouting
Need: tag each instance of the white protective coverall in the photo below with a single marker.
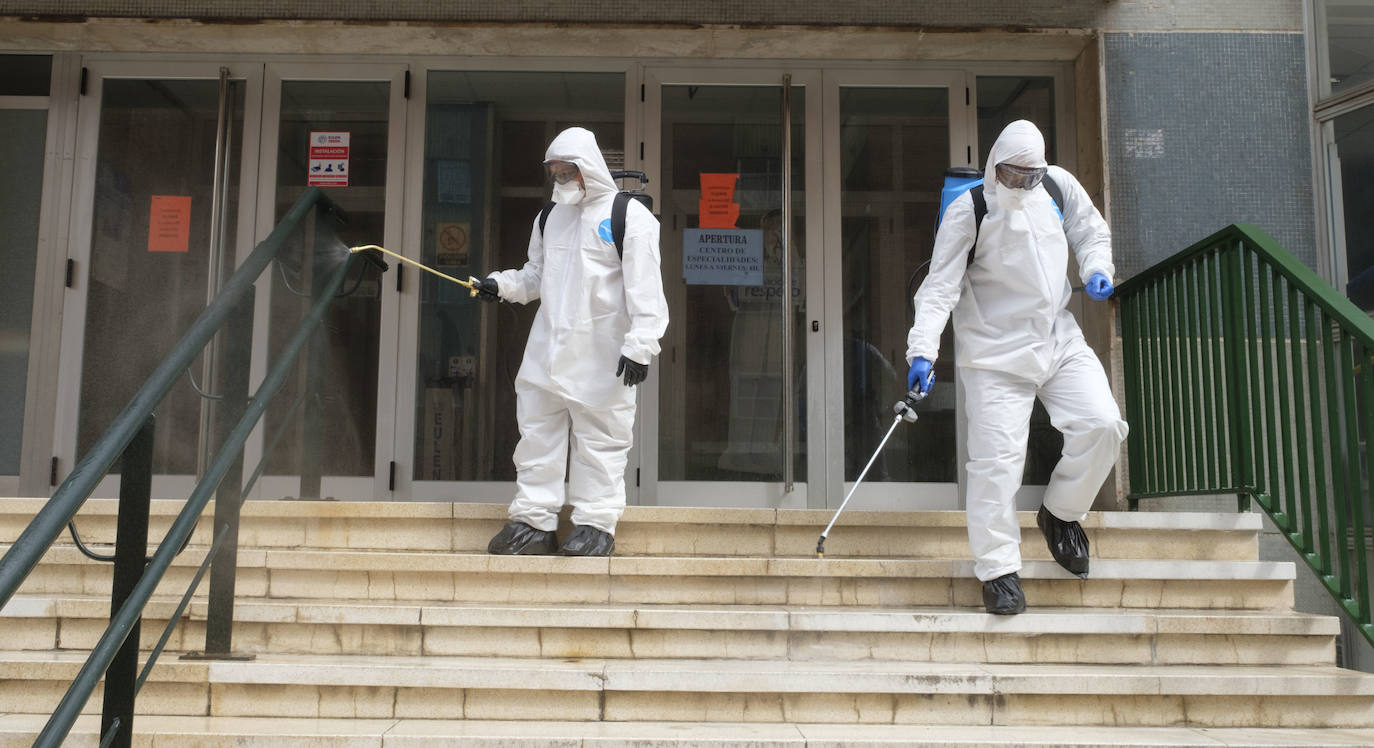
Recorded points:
(595, 307)
(1016, 341)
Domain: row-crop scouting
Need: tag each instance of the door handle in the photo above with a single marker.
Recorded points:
(788, 439)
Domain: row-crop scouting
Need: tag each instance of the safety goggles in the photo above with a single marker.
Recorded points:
(1020, 177)
(560, 172)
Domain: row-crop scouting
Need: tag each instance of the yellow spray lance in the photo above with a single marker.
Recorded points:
(470, 284)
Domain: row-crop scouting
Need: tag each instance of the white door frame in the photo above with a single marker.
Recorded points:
(377, 485)
(50, 254)
(727, 493)
(67, 412)
(962, 134)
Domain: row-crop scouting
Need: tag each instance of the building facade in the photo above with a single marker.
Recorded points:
(152, 144)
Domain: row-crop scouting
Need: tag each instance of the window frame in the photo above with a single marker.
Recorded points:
(1326, 108)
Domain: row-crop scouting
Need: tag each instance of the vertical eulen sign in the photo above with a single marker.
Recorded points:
(327, 161)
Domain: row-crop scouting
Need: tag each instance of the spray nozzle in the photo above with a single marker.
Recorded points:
(906, 407)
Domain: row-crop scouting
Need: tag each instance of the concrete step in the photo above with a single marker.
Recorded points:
(675, 531)
(763, 632)
(1043, 635)
(18, 730)
(479, 577)
(725, 691)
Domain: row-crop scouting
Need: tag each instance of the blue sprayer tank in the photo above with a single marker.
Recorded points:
(958, 180)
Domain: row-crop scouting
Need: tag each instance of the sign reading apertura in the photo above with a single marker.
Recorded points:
(722, 257)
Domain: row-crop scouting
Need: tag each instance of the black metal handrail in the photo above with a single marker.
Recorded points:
(120, 639)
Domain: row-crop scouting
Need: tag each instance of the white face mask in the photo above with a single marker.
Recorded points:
(1012, 199)
(570, 193)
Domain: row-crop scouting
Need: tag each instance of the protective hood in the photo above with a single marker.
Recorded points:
(578, 146)
(1021, 144)
(595, 303)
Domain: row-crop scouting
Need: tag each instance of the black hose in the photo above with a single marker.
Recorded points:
(910, 287)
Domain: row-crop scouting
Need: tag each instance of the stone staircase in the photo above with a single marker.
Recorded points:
(386, 624)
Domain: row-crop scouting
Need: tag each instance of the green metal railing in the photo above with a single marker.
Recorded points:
(1247, 374)
(129, 440)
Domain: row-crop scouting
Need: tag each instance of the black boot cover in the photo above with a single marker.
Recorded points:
(519, 539)
(586, 540)
(1002, 596)
(1068, 544)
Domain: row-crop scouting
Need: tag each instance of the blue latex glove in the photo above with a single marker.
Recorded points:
(920, 374)
(1099, 287)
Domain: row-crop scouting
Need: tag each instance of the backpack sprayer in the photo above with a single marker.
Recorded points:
(470, 284)
(906, 411)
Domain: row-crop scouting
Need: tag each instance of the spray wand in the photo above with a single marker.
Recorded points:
(470, 284)
(905, 410)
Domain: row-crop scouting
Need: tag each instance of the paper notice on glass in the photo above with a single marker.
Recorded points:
(453, 181)
(451, 243)
(718, 208)
(327, 160)
(169, 223)
(722, 257)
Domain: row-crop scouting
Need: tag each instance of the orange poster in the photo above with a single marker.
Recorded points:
(169, 223)
(718, 207)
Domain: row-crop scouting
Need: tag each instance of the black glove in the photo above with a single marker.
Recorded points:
(634, 371)
(487, 290)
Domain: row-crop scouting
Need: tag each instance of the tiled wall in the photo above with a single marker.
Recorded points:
(1205, 130)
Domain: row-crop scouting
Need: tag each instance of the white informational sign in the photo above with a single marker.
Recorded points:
(327, 161)
(722, 257)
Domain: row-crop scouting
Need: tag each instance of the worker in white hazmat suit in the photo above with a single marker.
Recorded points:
(597, 329)
(1016, 341)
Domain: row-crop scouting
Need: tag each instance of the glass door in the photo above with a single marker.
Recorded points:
(738, 383)
(24, 96)
(476, 165)
(890, 137)
(163, 150)
(340, 128)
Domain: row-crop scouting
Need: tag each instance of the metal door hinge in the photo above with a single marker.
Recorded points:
(391, 477)
(399, 270)
(641, 92)
(71, 272)
(405, 88)
(636, 476)
(84, 74)
(52, 472)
